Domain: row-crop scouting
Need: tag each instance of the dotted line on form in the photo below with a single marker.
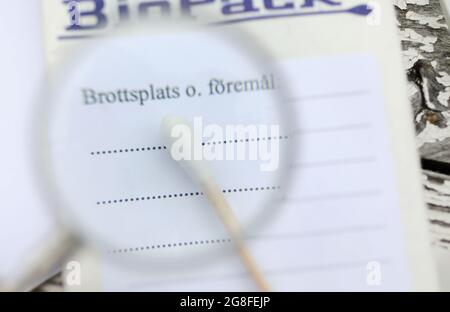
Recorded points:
(172, 245)
(163, 147)
(177, 195)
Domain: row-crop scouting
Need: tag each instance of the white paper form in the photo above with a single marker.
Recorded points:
(339, 221)
(24, 219)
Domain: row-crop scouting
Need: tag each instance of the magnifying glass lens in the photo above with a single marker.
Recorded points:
(116, 181)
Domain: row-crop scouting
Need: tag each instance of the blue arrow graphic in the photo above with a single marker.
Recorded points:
(362, 9)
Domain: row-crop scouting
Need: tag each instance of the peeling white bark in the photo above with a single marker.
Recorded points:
(401, 4)
(435, 22)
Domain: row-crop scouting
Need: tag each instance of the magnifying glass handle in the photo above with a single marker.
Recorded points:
(199, 172)
(57, 250)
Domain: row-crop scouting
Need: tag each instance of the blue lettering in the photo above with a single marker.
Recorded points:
(124, 11)
(271, 6)
(186, 5)
(163, 5)
(97, 12)
(310, 3)
(90, 15)
(243, 6)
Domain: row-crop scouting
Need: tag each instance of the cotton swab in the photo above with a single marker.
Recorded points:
(199, 172)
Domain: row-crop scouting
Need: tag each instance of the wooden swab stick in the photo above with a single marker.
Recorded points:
(199, 172)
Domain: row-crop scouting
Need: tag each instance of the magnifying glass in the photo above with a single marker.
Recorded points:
(125, 110)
